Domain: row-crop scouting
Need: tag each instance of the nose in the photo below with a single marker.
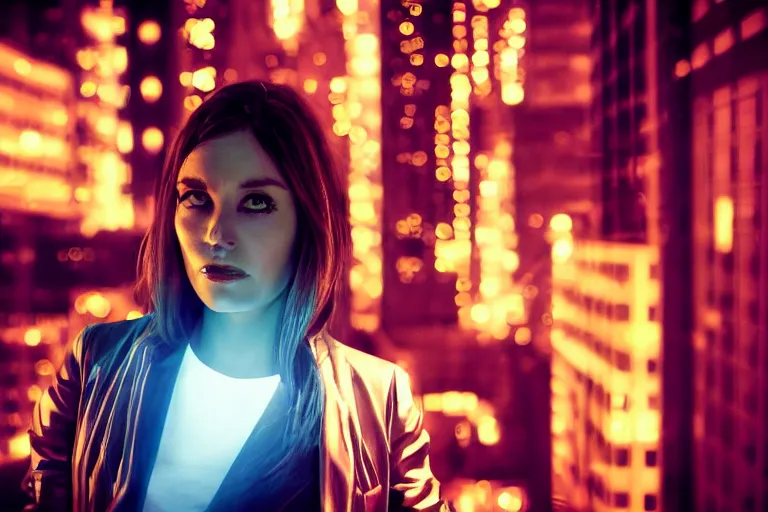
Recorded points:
(220, 235)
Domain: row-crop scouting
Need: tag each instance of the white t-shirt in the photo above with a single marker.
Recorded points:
(207, 425)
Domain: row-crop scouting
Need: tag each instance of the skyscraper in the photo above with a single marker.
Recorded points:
(729, 83)
(680, 106)
(607, 363)
(61, 182)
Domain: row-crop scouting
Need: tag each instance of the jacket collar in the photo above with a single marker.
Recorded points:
(336, 460)
(154, 369)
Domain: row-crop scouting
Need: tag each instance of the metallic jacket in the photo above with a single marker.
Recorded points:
(113, 389)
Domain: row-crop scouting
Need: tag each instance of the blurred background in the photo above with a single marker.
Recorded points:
(559, 211)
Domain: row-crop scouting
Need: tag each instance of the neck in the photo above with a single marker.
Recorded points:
(240, 345)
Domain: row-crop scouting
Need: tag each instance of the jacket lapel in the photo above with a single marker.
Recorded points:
(154, 378)
(238, 487)
(336, 457)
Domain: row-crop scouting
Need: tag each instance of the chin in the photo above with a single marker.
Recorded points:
(219, 304)
(237, 297)
(222, 300)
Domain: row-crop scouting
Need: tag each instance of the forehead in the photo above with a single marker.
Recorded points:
(229, 160)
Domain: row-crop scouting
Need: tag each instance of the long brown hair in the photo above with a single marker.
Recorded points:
(284, 125)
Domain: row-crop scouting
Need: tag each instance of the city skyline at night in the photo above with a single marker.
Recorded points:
(556, 208)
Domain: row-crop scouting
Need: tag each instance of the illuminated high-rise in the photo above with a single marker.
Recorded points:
(608, 369)
(659, 384)
(729, 143)
(38, 176)
(62, 189)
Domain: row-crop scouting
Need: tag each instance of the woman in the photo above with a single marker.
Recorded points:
(230, 394)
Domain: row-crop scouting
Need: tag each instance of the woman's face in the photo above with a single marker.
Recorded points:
(236, 224)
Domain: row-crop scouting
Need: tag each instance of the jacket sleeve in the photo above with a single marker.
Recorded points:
(52, 434)
(413, 486)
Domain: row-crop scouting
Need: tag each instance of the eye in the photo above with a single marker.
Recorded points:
(194, 199)
(258, 203)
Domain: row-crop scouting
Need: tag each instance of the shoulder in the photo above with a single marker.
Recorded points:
(368, 365)
(381, 377)
(105, 340)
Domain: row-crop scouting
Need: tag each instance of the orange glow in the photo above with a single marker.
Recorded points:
(18, 446)
(22, 67)
(149, 32)
(561, 223)
(443, 231)
(119, 59)
(200, 33)
(682, 68)
(118, 25)
(97, 23)
(562, 250)
(357, 113)
(30, 142)
(152, 139)
(151, 89)
(523, 336)
(44, 368)
(510, 502)
(488, 431)
(86, 58)
(34, 393)
(33, 337)
(319, 59)
(287, 22)
(535, 220)
(459, 61)
(480, 58)
(512, 93)
(515, 309)
(124, 137)
(507, 66)
(406, 28)
(347, 7)
(723, 215)
(511, 261)
(517, 25)
(204, 79)
(88, 89)
(453, 255)
(98, 305)
(516, 42)
(480, 313)
(37, 75)
(338, 85)
(496, 241)
(82, 194)
(59, 117)
(310, 85)
(230, 75)
(185, 78)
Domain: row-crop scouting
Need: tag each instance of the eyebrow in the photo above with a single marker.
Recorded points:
(197, 183)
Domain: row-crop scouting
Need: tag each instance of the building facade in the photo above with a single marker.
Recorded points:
(729, 146)
(606, 376)
(608, 347)
(66, 215)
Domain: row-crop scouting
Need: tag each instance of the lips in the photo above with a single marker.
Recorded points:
(222, 273)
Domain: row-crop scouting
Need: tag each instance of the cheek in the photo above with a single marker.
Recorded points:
(186, 232)
(269, 248)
